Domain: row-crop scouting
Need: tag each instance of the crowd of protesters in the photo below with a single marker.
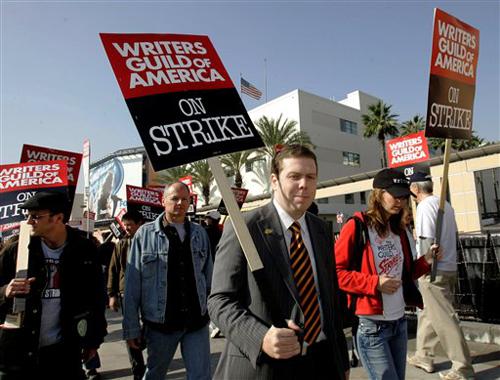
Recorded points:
(170, 277)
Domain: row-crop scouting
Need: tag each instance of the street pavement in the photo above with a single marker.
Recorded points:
(115, 364)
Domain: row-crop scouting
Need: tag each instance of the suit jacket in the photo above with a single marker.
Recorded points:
(239, 308)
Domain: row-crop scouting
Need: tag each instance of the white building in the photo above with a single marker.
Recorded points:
(334, 127)
(336, 130)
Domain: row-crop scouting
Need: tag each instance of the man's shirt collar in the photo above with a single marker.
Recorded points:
(287, 220)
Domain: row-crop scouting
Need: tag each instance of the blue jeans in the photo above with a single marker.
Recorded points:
(382, 348)
(195, 349)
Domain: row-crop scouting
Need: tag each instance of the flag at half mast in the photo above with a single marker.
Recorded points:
(250, 90)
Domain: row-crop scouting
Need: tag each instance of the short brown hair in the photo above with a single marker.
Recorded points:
(291, 151)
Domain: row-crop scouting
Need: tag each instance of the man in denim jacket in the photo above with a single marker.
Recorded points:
(167, 282)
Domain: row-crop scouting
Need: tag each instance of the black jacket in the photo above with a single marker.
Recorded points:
(82, 298)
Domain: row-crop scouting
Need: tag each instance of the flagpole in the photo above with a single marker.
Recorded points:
(241, 76)
(265, 77)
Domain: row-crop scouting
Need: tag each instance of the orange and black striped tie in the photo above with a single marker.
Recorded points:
(304, 280)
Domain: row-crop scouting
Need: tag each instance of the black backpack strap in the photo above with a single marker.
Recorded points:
(361, 237)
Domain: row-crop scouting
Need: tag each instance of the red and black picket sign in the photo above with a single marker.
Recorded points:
(33, 153)
(407, 150)
(19, 182)
(452, 84)
(180, 96)
(147, 202)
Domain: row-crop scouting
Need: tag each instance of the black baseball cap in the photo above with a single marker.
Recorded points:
(55, 202)
(420, 177)
(393, 181)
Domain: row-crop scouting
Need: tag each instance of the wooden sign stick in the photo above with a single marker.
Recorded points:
(240, 227)
(442, 200)
(19, 305)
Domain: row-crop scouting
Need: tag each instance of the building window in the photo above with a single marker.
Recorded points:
(322, 200)
(349, 199)
(350, 159)
(348, 127)
(362, 195)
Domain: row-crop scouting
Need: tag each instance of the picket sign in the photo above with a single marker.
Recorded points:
(186, 110)
(452, 85)
(240, 227)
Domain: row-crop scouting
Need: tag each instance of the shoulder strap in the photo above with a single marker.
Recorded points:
(360, 239)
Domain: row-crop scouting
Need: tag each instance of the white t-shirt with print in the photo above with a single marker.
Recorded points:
(425, 225)
(388, 257)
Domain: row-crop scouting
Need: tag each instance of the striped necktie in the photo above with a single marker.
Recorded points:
(304, 280)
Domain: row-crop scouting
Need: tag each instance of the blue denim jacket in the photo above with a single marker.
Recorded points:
(146, 274)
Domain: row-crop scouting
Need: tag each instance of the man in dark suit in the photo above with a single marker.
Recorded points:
(281, 322)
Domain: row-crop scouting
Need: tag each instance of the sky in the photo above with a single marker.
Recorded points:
(57, 87)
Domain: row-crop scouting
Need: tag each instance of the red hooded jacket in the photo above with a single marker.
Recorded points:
(364, 283)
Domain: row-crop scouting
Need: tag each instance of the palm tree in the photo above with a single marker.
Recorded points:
(458, 145)
(463, 144)
(203, 177)
(414, 125)
(262, 173)
(380, 122)
(173, 174)
(235, 161)
(284, 132)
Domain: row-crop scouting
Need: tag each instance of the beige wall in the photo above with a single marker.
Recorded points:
(462, 188)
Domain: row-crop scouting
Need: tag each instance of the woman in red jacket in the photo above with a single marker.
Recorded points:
(384, 284)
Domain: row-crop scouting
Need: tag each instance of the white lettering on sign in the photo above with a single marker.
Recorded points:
(142, 195)
(174, 76)
(408, 150)
(192, 133)
(444, 116)
(205, 131)
(454, 49)
(30, 175)
(36, 155)
(167, 62)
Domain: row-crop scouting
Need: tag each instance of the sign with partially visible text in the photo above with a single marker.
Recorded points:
(19, 182)
(33, 153)
(147, 202)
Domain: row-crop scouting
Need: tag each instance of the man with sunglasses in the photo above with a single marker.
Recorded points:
(438, 322)
(64, 317)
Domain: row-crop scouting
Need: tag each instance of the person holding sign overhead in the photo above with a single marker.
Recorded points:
(282, 322)
(167, 282)
(64, 318)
